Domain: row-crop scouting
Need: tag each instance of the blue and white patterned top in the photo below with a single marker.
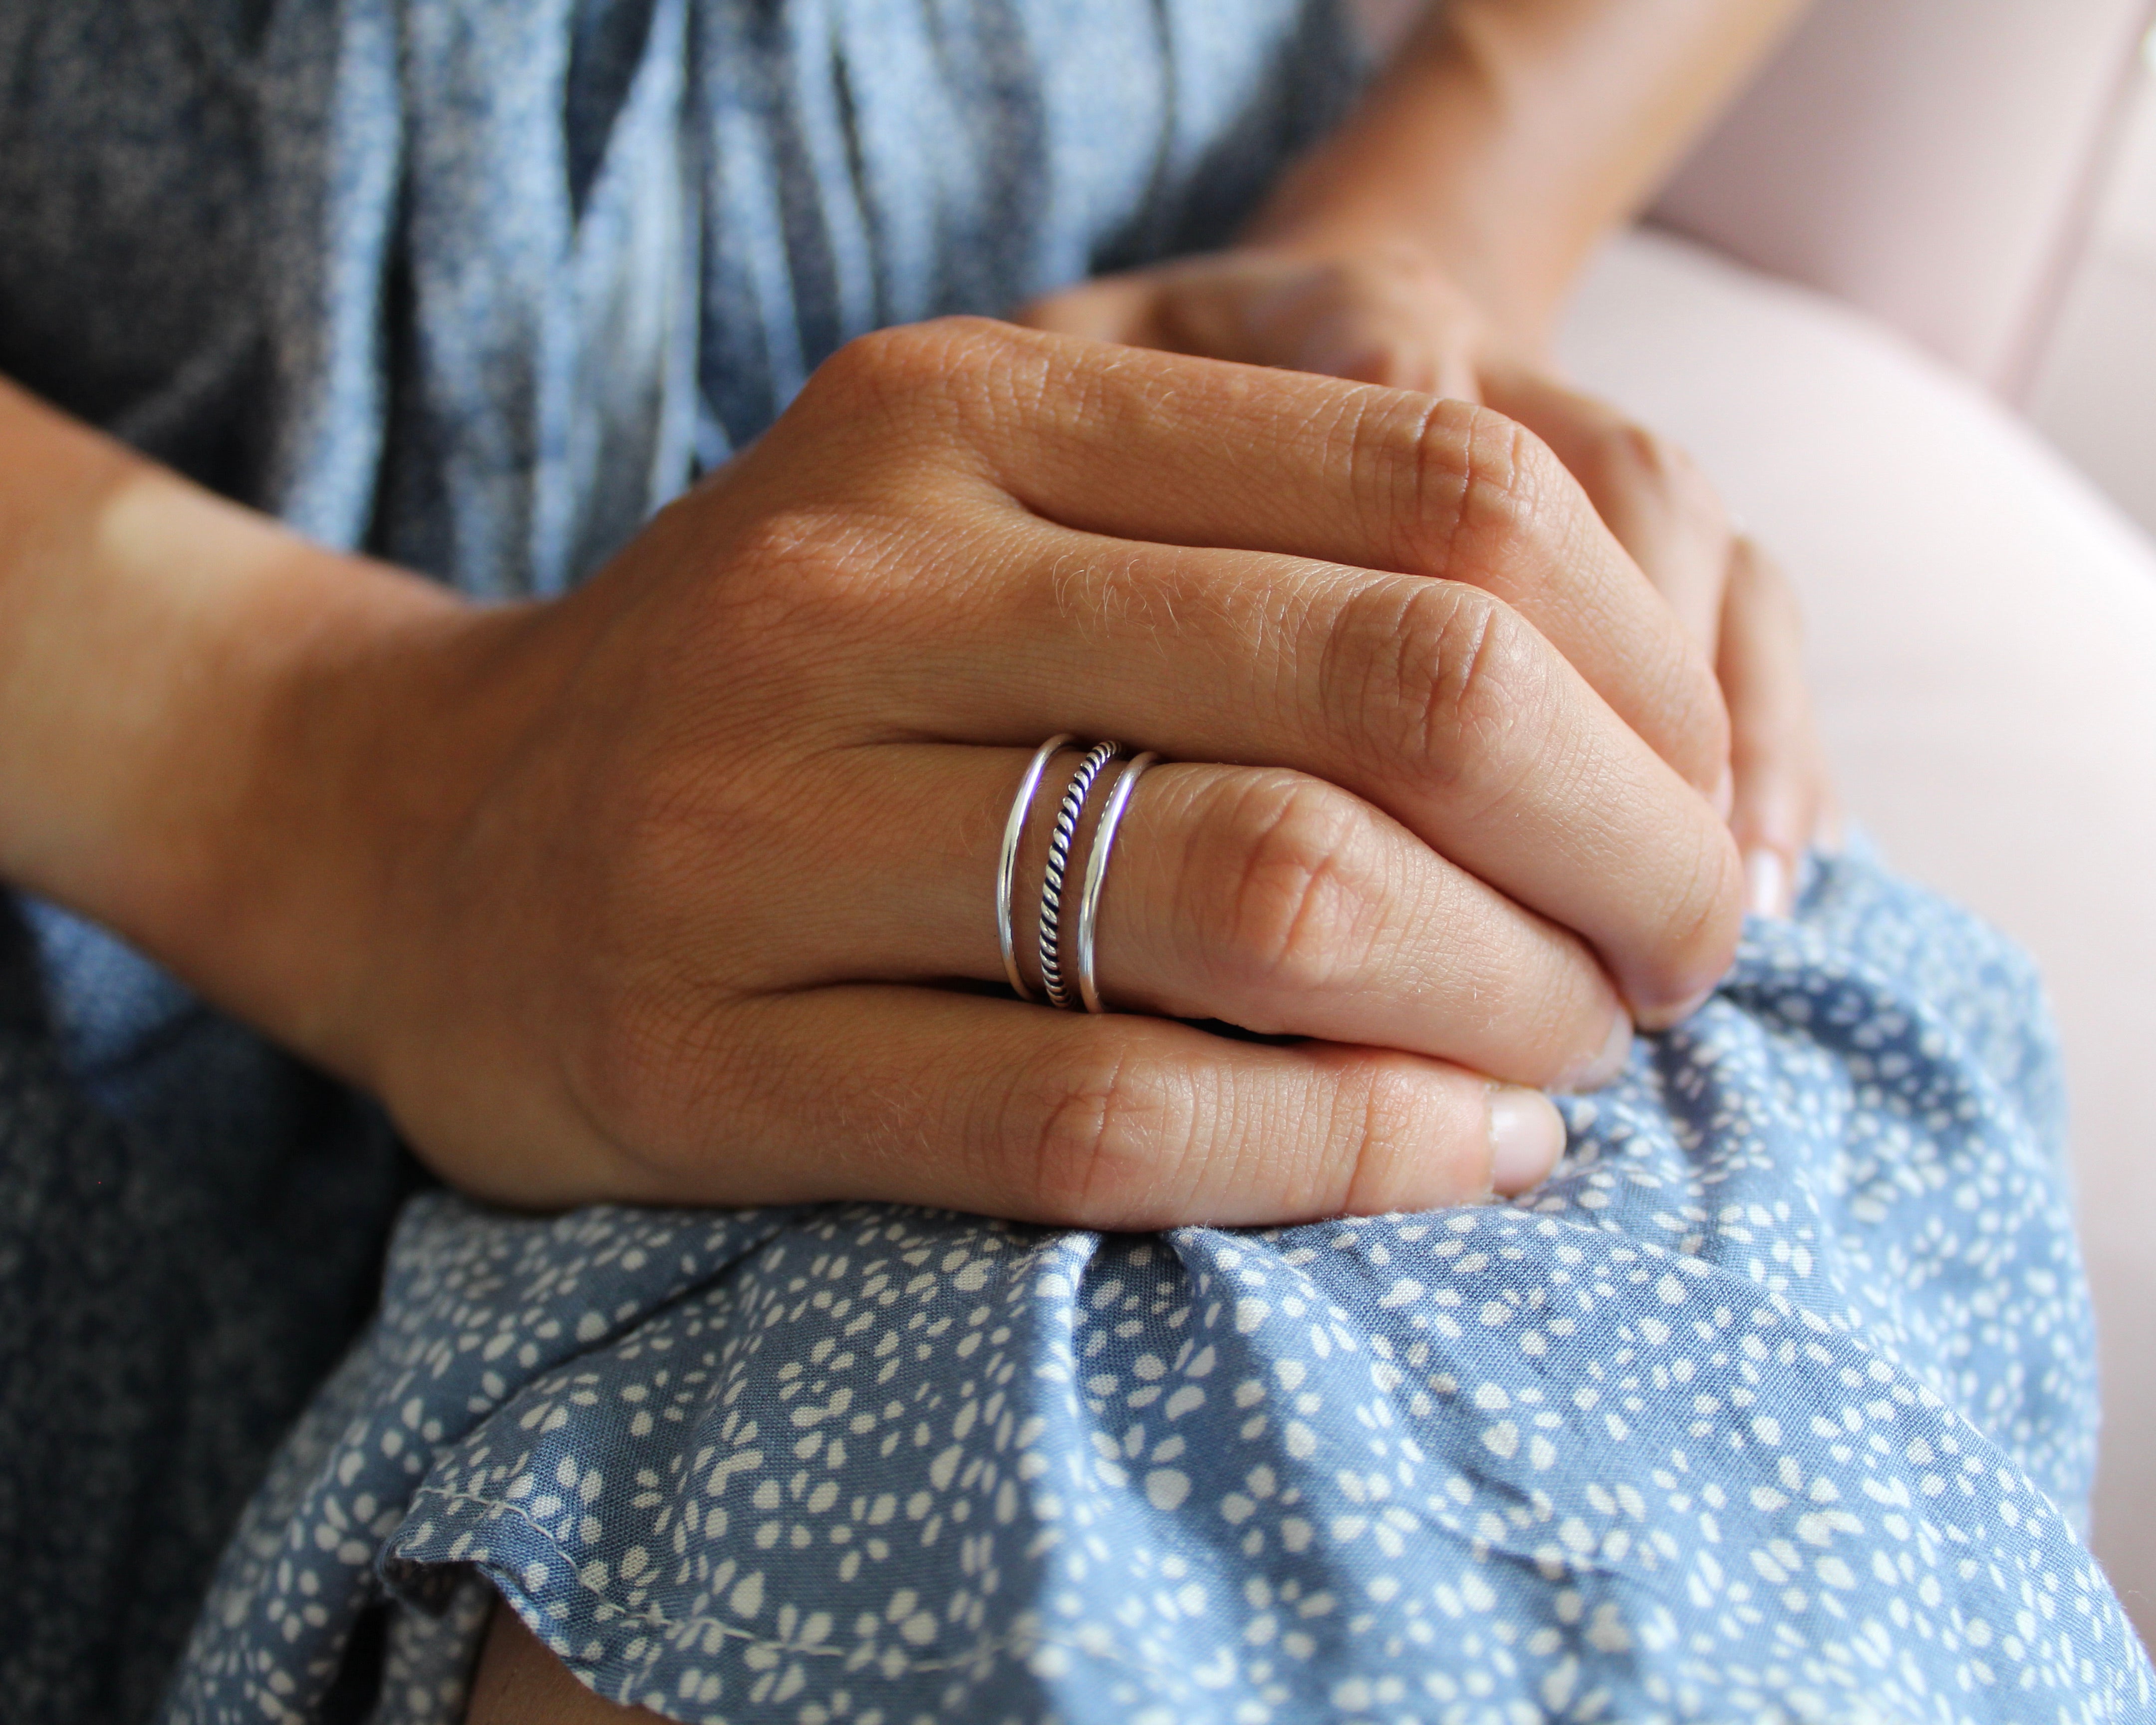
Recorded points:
(1776, 1403)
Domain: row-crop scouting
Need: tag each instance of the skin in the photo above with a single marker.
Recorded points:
(674, 890)
(519, 1682)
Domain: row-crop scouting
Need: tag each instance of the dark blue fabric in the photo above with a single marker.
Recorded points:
(191, 1231)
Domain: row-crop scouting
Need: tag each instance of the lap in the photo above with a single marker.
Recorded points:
(1783, 1380)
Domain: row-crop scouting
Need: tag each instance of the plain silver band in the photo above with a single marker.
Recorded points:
(1007, 863)
(1067, 816)
(1096, 871)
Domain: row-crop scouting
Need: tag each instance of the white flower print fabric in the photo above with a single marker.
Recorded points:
(1776, 1403)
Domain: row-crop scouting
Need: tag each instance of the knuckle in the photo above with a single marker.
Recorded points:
(1296, 898)
(1340, 280)
(1438, 675)
(798, 582)
(902, 357)
(1482, 486)
(1395, 456)
(1388, 1124)
(1416, 269)
(1631, 458)
(1458, 490)
(1459, 674)
(1091, 1142)
(1628, 450)
(1396, 274)
(871, 374)
(910, 371)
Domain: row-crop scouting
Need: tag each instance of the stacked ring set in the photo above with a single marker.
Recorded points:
(1069, 813)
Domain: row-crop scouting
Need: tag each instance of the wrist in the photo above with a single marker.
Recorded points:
(1459, 151)
(324, 791)
(326, 901)
(200, 701)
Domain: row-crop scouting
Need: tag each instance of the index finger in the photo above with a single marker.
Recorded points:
(1142, 445)
(1652, 496)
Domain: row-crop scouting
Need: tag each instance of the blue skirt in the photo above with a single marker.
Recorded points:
(1777, 1402)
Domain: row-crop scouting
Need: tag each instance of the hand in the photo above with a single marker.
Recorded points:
(680, 888)
(1391, 315)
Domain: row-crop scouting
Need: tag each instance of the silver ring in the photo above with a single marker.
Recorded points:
(1007, 863)
(1096, 871)
(1067, 813)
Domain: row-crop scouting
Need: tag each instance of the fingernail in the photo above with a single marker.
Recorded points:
(1766, 882)
(1616, 1049)
(1669, 1017)
(1527, 1136)
(1725, 792)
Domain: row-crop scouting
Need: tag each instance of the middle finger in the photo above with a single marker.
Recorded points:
(1163, 449)
(1432, 699)
(1262, 897)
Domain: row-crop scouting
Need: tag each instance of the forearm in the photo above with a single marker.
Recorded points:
(165, 657)
(1509, 136)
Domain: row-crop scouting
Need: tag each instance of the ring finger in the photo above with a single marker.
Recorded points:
(1267, 898)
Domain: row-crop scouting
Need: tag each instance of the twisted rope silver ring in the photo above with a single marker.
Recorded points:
(1096, 871)
(1007, 863)
(1067, 815)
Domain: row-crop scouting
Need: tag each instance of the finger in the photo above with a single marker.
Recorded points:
(1389, 346)
(1399, 324)
(1284, 904)
(1112, 308)
(1430, 699)
(1260, 897)
(1457, 378)
(1184, 452)
(1780, 774)
(1391, 324)
(1114, 1121)
(1649, 493)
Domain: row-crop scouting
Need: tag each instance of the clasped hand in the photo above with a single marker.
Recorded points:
(680, 888)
